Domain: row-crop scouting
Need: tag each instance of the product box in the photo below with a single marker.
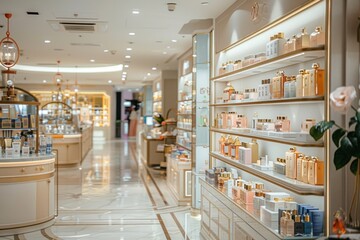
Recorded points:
(274, 205)
(269, 196)
(269, 218)
(6, 123)
(263, 167)
(25, 122)
(9, 152)
(317, 218)
(16, 149)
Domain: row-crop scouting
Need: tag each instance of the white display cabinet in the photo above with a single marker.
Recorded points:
(241, 220)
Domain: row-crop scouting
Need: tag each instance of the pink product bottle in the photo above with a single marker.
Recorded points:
(247, 194)
(223, 116)
(241, 121)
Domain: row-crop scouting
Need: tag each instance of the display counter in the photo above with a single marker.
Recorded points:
(150, 155)
(28, 199)
(72, 148)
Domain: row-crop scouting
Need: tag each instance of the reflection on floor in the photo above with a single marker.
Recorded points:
(113, 196)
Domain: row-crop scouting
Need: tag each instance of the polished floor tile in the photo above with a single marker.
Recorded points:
(112, 195)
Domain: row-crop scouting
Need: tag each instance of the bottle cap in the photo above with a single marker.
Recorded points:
(315, 65)
(297, 218)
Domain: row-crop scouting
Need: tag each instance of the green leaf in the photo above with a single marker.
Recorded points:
(358, 116)
(352, 121)
(354, 166)
(341, 158)
(355, 144)
(317, 131)
(347, 145)
(337, 135)
(357, 130)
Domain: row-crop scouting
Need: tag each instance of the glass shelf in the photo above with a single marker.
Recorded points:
(272, 64)
(273, 177)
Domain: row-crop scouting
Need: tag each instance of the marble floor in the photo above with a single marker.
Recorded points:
(112, 195)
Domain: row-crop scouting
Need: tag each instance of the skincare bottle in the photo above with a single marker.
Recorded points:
(241, 121)
(307, 226)
(245, 155)
(283, 221)
(227, 146)
(266, 90)
(253, 145)
(299, 162)
(277, 85)
(223, 120)
(268, 47)
(305, 167)
(289, 225)
(291, 157)
(292, 44)
(280, 166)
(254, 120)
(316, 79)
(278, 46)
(300, 83)
(25, 149)
(317, 38)
(235, 148)
(306, 83)
(303, 40)
(307, 124)
(222, 144)
(316, 171)
(292, 87)
(298, 226)
(247, 194)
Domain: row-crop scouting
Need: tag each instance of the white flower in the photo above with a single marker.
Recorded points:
(341, 98)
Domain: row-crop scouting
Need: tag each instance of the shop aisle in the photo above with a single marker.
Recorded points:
(113, 196)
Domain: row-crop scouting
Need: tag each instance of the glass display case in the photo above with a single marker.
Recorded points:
(58, 118)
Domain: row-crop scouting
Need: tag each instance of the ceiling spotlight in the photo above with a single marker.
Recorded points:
(127, 56)
(44, 81)
(128, 49)
(109, 81)
(154, 68)
(92, 60)
(148, 74)
(164, 52)
(174, 40)
(135, 11)
(126, 66)
(47, 41)
(204, 3)
(106, 50)
(171, 6)
(132, 34)
(123, 79)
(124, 73)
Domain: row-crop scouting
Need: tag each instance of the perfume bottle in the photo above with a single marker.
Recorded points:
(298, 226)
(237, 64)
(282, 124)
(289, 225)
(307, 226)
(278, 44)
(300, 83)
(299, 167)
(317, 38)
(269, 125)
(292, 44)
(303, 40)
(227, 146)
(254, 120)
(222, 144)
(223, 120)
(235, 148)
(291, 157)
(224, 176)
(280, 166)
(253, 145)
(229, 89)
(307, 124)
(316, 79)
(292, 87)
(287, 87)
(286, 45)
(247, 194)
(268, 47)
(306, 83)
(283, 220)
(315, 171)
(305, 169)
(222, 69)
(277, 85)
(241, 121)
(237, 188)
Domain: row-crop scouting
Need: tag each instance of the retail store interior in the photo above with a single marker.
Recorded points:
(169, 119)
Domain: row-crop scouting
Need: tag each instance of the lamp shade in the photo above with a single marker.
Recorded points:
(9, 50)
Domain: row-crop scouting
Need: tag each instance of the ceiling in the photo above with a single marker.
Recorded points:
(155, 28)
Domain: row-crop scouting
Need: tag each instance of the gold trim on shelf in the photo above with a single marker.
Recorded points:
(184, 129)
(298, 187)
(180, 145)
(303, 100)
(27, 178)
(273, 24)
(286, 141)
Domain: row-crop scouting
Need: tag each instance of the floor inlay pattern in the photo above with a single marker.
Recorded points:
(112, 195)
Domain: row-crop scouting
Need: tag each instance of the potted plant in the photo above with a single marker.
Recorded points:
(346, 140)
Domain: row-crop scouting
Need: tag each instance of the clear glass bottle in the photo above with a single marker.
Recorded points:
(291, 157)
(283, 220)
(227, 146)
(222, 144)
(317, 38)
(307, 226)
(300, 83)
(289, 225)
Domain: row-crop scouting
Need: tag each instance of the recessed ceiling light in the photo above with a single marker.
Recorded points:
(154, 68)
(124, 73)
(47, 41)
(204, 3)
(129, 90)
(168, 47)
(92, 60)
(164, 52)
(123, 79)
(135, 11)
(128, 49)
(137, 89)
(194, 55)
(106, 50)
(131, 34)
(127, 56)
(148, 74)
(109, 81)
(174, 40)
(126, 66)
(44, 81)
